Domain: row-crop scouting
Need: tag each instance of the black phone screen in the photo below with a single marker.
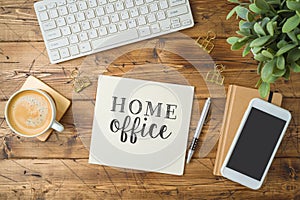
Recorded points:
(256, 143)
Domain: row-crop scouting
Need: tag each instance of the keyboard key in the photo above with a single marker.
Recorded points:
(134, 12)
(186, 22)
(175, 20)
(58, 43)
(151, 18)
(176, 2)
(119, 6)
(102, 2)
(176, 25)
(104, 20)
(95, 23)
(62, 11)
(144, 31)
(53, 34)
(54, 55)
(85, 47)
(61, 2)
(109, 41)
(73, 8)
(83, 36)
(92, 3)
(82, 5)
(64, 52)
(155, 28)
(51, 5)
(165, 25)
(109, 8)
(85, 25)
(71, 19)
(124, 15)
(66, 30)
(131, 23)
(112, 28)
(41, 7)
(163, 4)
(153, 7)
(102, 30)
(74, 50)
(122, 26)
(90, 14)
(141, 20)
(73, 39)
(139, 2)
(129, 3)
(144, 10)
(92, 34)
(177, 11)
(61, 21)
(49, 25)
(75, 28)
(100, 11)
(44, 16)
(114, 17)
(53, 13)
(161, 15)
(80, 16)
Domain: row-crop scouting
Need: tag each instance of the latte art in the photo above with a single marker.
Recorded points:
(30, 113)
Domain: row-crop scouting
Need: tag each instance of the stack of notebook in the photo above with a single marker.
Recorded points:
(237, 102)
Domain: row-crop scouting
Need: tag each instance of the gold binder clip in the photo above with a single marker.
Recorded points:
(206, 42)
(79, 83)
(215, 75)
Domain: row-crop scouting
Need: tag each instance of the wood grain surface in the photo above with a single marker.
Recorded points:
(59, 169)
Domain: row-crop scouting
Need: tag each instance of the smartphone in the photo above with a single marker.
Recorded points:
(255, 143)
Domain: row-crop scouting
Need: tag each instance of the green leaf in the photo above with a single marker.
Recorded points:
(260, 57)
(267, 71)
(242, 12)
(287, 73)
(285, 49)
(231, 13)
(260, 41)
(264, 89)
(262, 4)
(291, 23)
(259, 67)
(292, 36)
(293, 55)
(234, 1)
(270, 28)
(232, 40)
(254, 8)
(256, 49)
(246, 50)
(245, 25)
(281, 44)
(280, 64)
(250, 17)
(238, 45)
(295, 67)
(267, 54)
(278, 72)
(293, 5)
(258, 29)
(265, 21)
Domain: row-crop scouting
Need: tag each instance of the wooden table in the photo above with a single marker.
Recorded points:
(59, 169)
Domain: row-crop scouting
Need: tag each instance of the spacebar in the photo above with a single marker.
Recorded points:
(113, 40)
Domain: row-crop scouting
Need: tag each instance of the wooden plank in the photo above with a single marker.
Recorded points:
(18, 20)
(78, 129)
(76, 179)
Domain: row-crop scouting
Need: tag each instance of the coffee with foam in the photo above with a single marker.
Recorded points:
(29, 113)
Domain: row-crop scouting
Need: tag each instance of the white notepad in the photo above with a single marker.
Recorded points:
(141, 125)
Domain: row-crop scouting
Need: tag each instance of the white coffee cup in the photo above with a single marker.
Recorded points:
(31, 112)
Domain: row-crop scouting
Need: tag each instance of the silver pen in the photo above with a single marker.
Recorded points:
(198, 129)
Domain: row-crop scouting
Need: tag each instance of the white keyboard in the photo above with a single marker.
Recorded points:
(75, 28)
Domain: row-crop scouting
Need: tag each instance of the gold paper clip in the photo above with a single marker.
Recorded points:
(215, 75)
(206, 42)
(79, 83)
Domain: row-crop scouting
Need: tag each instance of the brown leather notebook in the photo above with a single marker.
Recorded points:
(237, 102)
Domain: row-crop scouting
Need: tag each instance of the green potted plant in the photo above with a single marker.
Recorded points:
(270, 30)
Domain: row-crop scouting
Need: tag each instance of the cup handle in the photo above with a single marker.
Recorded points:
(57, 126)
